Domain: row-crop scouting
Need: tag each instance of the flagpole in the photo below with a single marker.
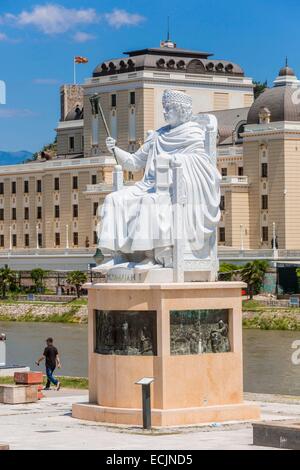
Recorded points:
(74, 70)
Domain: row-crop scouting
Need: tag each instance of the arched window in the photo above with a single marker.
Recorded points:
(196, 66)
(239, 130)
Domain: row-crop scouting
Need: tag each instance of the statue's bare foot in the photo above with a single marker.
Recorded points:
(147, 264)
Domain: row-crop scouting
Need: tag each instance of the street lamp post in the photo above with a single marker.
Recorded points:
(275, 256)
(37, 238)
(67, 237)
(242, 236)
(10, 238)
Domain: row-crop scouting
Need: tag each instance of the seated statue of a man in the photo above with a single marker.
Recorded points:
(136, 228)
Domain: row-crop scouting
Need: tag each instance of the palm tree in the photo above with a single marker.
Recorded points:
(7, 279)
(229, 271)
(77, 279)
(253, 274)
(38, 275)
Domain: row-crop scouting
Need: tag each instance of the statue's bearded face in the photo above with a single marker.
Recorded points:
(172, 115)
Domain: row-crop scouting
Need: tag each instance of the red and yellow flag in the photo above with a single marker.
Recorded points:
(80, 60)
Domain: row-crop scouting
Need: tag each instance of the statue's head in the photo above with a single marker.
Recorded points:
(177, 107)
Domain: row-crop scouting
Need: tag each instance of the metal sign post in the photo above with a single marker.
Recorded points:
(2, 349)
(146, 382)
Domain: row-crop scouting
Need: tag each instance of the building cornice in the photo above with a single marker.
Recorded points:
(53, 165)
(65, 125)
(165, 77)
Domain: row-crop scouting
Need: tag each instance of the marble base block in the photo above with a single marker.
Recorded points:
(198, 376)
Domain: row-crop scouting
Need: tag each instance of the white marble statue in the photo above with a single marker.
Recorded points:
(137, 226)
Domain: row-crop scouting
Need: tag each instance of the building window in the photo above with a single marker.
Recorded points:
(56, 212)
(39, 212)
(130, 176)
(94, 179)
(57, 239)
(113, 100)
(240, 171)
(264, 202)
(26, 186)
(95, 208)
(14, 213)
(13, 187)
(75, 182)
(26, 240)
(40, 240)
(1, 188)
(222, 203)
(2, 241)
(71, 144)
(222, 234)
(26, 213)
(1, 214)
(39, 186)
(75, 238)
(95, 238)
(132, 98)
(14, 240)
(264, 170)
(265, 234)
(224, 171)
(75, 211)
(56, 184)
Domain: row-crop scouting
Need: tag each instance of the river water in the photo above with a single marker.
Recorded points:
(268, 366)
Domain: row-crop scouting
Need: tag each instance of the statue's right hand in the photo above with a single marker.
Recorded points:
(110, 144)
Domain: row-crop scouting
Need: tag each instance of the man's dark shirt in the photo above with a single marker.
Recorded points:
(50, 354)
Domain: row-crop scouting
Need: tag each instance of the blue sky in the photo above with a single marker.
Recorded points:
(38, 40)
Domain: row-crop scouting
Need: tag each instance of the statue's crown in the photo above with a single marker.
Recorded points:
(178, 97)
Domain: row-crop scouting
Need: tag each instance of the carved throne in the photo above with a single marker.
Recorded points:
(186, 265)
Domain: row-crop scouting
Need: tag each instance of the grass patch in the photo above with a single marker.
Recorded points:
(82, 302)
(81, 383)
(272, 322)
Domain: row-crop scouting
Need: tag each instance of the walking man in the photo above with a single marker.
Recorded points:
(50, 355)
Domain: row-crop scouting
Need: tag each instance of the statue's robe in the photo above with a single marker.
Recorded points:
(133, 219)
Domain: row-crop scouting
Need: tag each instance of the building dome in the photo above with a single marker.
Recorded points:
(281, 101)
(286, 71)
(75, 114)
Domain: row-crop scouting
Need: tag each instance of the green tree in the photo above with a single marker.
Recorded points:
(259, 88)
(7, 280)
(38, 276)
(77, 279)
(228, 271)
(253, 274)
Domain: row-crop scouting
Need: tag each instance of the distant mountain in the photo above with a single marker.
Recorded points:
(13, 158)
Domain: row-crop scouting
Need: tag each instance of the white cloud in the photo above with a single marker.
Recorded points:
(46, 81)
(8, 113)
(3, 37)
(118, 18)
(83, 37)
(52, 18)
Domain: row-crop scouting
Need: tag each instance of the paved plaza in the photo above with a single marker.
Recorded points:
(49, 425)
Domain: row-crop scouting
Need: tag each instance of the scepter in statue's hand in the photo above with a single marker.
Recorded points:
(97, 109)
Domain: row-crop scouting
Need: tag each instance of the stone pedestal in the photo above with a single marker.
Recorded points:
(18, 394)
(192, 384)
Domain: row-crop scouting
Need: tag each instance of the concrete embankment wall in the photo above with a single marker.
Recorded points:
(43, 312)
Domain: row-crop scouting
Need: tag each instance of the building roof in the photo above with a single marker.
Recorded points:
(171, 51)
(281, 101)
(229, 123)
(167, 59)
